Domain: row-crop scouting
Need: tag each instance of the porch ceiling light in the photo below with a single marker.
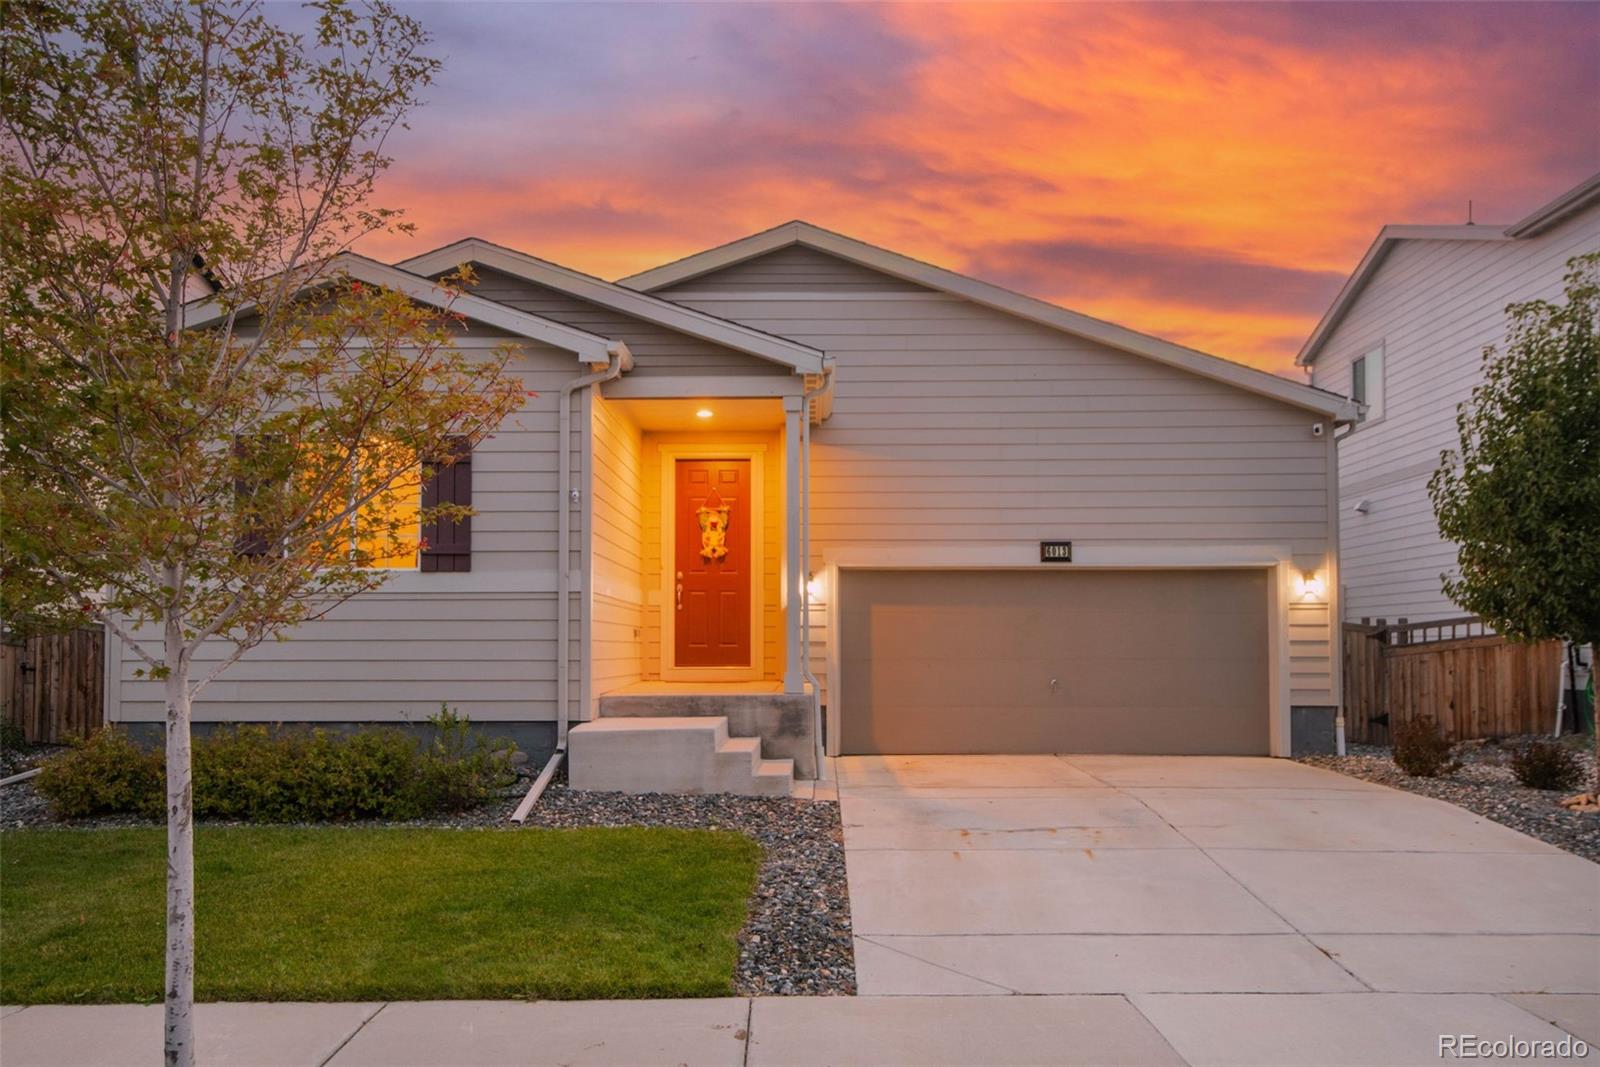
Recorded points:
(703, 413)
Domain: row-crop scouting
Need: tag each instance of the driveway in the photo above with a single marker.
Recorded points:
(1252, 910)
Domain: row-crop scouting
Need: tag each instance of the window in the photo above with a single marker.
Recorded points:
(1366, 384)
(387, 530)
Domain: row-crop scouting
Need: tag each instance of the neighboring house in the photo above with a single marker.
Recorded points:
(1405, 339)
(800, 425)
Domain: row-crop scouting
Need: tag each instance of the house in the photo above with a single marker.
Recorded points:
(1405, 339)
(798, 490)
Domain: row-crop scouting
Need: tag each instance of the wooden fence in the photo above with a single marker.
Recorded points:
(53, 685)
(1471, 682)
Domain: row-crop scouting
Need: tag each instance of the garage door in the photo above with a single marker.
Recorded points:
(1049, 661)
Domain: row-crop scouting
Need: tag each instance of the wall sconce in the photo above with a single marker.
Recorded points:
(816, 585)
(1309, 587)
(704, 413)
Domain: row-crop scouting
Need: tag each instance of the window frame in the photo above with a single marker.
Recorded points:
(1371, 367)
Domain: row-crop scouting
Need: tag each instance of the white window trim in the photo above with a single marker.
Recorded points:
(1376, 383)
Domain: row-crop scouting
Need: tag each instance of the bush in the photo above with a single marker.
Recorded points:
(12, 737)
(251, 773)
(1547, 765)
(105, 774)
(1421, 751)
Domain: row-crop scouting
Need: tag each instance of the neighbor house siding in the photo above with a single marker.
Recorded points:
(481, 641)
(616, 547)
(1432, 306)
(958, 425)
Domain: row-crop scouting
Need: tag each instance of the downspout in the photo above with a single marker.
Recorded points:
(618, 359)
(805, 565)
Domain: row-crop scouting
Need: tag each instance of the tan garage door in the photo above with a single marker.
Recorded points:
(1053, 661)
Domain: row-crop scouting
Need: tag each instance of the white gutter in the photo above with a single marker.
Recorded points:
(805, 563)
(620, 359)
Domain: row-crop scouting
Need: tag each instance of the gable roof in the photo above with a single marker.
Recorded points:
(1001, 299)
(1581, 196)
(589, 347)
(803, 359)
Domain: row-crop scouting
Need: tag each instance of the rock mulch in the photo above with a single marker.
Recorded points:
(1485, 785)
(19, 758)
(797, 940)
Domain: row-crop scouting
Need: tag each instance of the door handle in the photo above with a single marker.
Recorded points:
(680, 590)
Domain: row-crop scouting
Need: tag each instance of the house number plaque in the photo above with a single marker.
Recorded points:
(1055, 551)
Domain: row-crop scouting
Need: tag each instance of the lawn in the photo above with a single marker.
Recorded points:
(378, 914)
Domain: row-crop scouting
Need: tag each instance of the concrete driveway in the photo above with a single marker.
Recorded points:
(1251, 910)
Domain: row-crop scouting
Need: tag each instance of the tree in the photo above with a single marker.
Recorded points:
(1521, 496)
(210, 487)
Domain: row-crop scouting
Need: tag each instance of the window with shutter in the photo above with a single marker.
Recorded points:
(250, 540)
(448, 542)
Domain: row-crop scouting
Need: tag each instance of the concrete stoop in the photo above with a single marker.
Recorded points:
(672, 754)
(782, 721)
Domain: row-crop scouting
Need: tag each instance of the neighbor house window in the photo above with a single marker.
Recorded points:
(1366, 383)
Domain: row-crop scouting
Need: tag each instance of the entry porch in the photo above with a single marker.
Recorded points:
(696, 592)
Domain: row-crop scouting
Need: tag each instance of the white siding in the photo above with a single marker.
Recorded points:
(1432, 306)
(955, 424)
(482, 641)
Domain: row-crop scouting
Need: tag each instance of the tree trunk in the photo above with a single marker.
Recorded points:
(180, 857)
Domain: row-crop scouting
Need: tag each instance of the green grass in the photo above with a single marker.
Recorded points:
(378, 914)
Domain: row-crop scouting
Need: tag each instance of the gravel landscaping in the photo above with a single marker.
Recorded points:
(797, 940)
(1485, 785)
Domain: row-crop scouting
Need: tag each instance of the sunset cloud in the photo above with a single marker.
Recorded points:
(1209, 173)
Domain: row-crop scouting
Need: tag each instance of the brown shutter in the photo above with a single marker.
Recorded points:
(449, 542)
(249, 541)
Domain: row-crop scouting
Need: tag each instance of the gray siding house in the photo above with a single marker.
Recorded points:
(1405, 339)
(813, 487)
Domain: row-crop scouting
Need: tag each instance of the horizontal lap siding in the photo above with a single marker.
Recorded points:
(482, 641)
(955, 424)
(656, 349)
(1433, 306)
(616, 545)
(794, 267)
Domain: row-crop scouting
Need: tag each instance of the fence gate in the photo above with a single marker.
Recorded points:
(53, 685)
(1473, 683)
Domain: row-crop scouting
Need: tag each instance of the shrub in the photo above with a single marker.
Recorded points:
(460, 772)
(105, 774)
(252, 773)
(12, 737)
(1421, 751)
(1547, 765)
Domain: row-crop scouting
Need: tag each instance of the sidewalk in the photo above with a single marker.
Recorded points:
(1273, 1030)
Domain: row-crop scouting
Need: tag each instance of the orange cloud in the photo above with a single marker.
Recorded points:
(1208, 173)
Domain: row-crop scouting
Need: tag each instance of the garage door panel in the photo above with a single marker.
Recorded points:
(1142, 661)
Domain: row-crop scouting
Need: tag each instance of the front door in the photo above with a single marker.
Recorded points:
(711, 540)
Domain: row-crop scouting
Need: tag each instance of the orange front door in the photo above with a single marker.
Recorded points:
(711, 542)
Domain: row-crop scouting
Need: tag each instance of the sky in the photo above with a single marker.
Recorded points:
(1207, 173)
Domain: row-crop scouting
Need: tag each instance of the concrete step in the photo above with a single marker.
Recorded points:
(783, 721)
(672, 754)
(774, 777)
